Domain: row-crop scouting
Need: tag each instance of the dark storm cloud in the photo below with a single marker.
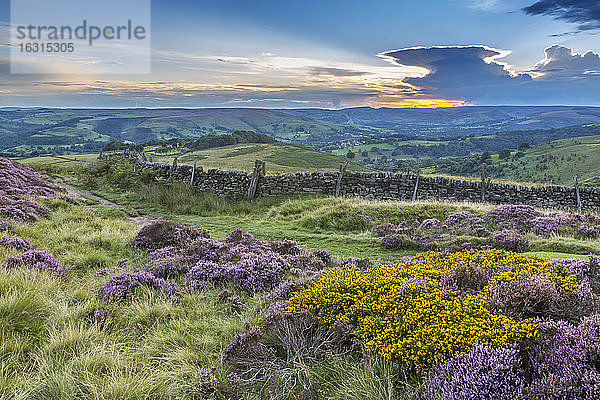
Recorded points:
(338, 72)
(585, 13)
(474, 74)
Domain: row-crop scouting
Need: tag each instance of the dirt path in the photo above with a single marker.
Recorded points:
(78, 193)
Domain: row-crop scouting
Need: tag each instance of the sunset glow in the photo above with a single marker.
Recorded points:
(416, 103)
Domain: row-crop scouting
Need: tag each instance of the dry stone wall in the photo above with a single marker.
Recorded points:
(376, 185)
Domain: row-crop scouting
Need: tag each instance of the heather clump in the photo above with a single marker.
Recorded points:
(20, 184)
(40, 259)
(512, 216)
(511, 240)
(273, 359)
(202, 263)
(122, 285)
(483, 373)
(160, 234)
(508, 227)
(559, 364)
(16, 242)
(228, 298)
(589, 329)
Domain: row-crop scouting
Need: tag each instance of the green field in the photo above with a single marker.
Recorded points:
(64, 131)
(279, 158)
(556, 162)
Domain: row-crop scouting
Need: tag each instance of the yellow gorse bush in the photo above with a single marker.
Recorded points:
(402, 313)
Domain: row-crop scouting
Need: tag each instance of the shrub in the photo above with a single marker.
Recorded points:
(514, 217)
(511, 240)
(383, 229)
(463, 220)
(526, 296)
(584, 268)
(483, 373)
(431, 223)
(162, 233)
(540, 289)
(466, 278)
(588, 231)
(15, 242)
(559, 364)
(234, 302)
(406, 318)
(273, 360)
(404, 241)
(121, 286)
(589, 329)
(40, 259)
(249, 263)
(18, 184)
(548, 225)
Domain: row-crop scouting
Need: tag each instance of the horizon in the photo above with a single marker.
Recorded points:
(301, 108)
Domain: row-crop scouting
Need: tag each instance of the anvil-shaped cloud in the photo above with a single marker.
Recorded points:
(475, 74)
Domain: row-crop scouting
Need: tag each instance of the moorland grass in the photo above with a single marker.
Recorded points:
(52, 346)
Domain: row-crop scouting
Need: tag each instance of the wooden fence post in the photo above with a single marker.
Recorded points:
(193, 173)
(577, 193)
(173, 166)
(483, 178)
(260, 169)
(414, 196)
(338, 184)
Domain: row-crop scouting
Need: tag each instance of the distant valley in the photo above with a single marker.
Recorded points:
(390, 139)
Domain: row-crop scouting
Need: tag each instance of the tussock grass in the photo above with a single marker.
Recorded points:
(357, 214)
(369, 379)
(52, 348)
(180, 198)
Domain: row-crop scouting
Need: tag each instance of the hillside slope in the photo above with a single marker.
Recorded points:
(279, 157)
(550, 162)
(61, 131)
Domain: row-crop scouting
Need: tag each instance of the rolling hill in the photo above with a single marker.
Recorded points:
(458, 121)
(279, 157)
(555, 162)
(63, 131)
(68, 131)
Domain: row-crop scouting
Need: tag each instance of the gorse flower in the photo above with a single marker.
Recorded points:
(403, 313)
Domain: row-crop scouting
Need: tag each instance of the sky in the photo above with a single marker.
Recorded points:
(333, 54)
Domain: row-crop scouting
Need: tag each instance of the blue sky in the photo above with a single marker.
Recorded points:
(334, 54)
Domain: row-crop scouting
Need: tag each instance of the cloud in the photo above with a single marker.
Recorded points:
(477, 75)
(483, 4)
(562, 62)
(585, 13)
(338, 72)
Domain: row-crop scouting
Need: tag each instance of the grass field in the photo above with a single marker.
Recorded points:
(279, 158)
(53, 346)
(556, 162)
